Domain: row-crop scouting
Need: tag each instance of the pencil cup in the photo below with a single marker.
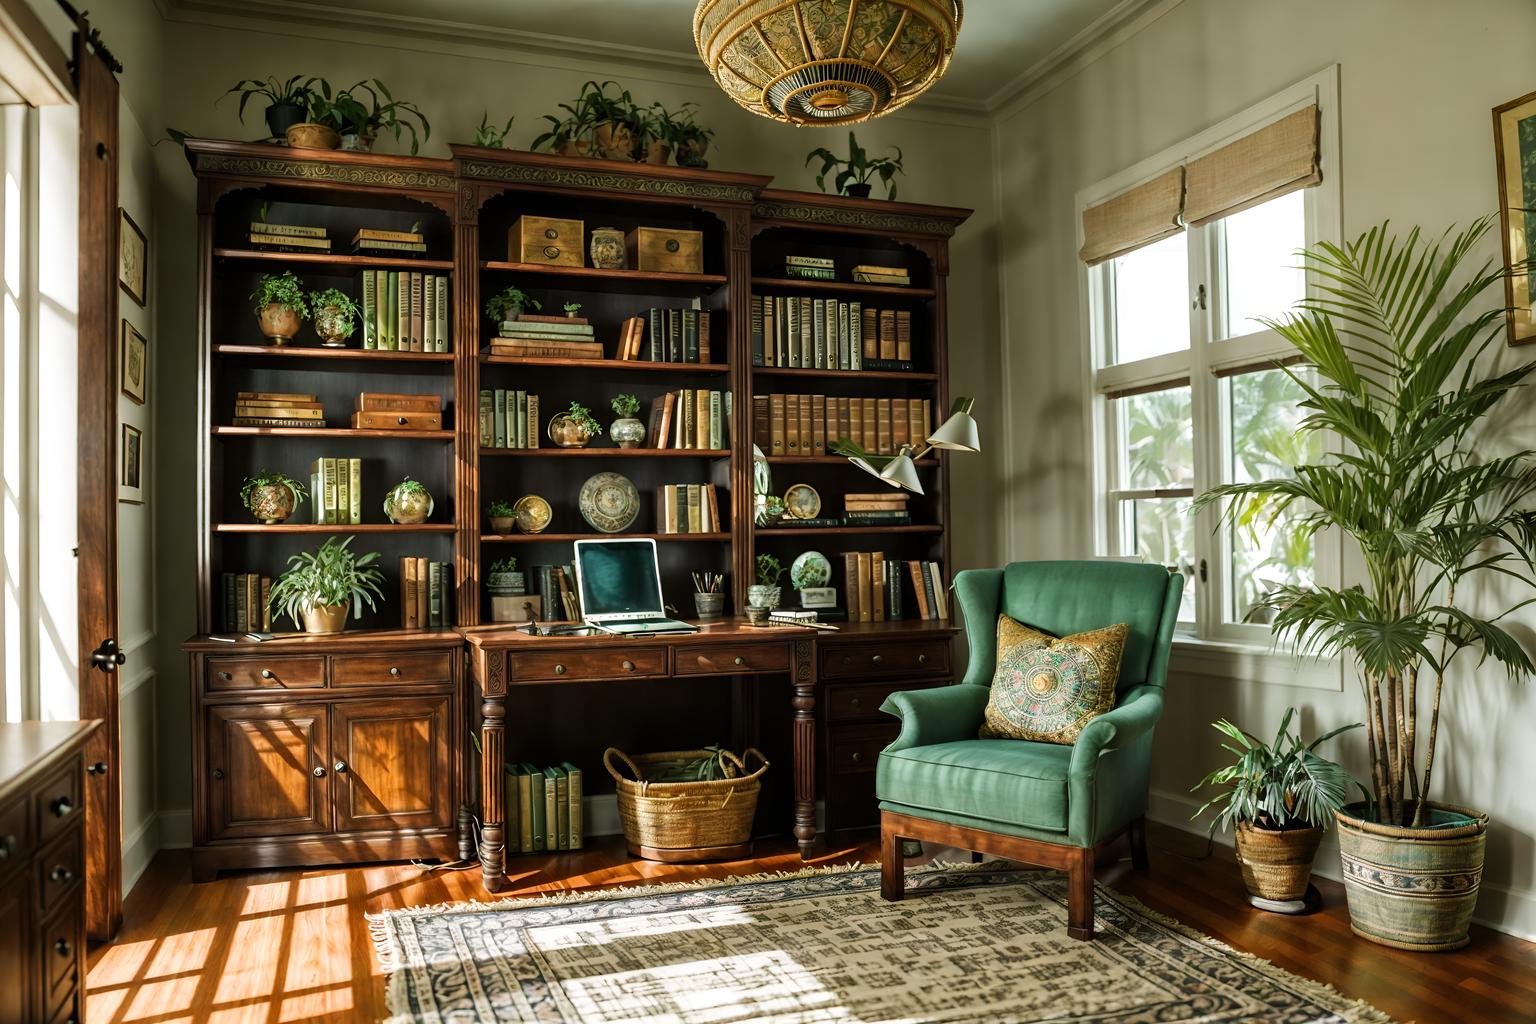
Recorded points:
(709, 606)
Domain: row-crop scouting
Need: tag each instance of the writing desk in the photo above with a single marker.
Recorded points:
(845, 673)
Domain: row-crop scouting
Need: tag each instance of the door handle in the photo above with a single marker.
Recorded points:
(107, 657)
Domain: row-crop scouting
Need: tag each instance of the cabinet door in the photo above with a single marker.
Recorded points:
(15, 957)
(392, 763)
(268, 774)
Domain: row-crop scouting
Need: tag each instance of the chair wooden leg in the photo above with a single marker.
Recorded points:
(891, 885)
(1138, 837)
(1080, 894)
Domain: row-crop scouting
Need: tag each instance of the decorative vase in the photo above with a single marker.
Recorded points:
(279, 323)
(408, 503)
(271, 503)
(308, 135)
(502, 524)
(615, 141)
(505, 584)
(567, 433)
(1413, 888)
(859, 190)
(607, 248)
(691, 153)
(331, 324)
(282, 116)
(709, 606)
(657, 152)
(760, 596)
(1276, 863)
(325, 618)
(626, 432)
(357, 142)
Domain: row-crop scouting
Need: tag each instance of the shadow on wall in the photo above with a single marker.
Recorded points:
(1045, 479)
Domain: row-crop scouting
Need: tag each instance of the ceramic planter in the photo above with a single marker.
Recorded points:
(357, 142)
(505, 584)
(323, 618)
(501, 524)
(308, 135)
(607, 248)
(626, 432)
(407, 505)
(858, 191)
(574, 147)
(1413, 888)
(279, 323)
(567, 433)
(615, 141)
(271, 503)
(332, 325)
(759, 596)
(691, 153)
(282, 116)
(1276, 863)
(709, 606)
(657, 152)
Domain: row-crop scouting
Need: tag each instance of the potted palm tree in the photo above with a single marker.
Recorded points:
(319, 587)
(1399, 348)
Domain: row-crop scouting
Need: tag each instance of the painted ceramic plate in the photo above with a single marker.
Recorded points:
(802, 502)
(609, 502)
(531, 513)
(810, 569)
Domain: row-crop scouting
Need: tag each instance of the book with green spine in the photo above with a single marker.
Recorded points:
(536, 803)
(390, 300)
(562, 809)
(370, 310)
(514, 808)
(355, 475)
(525, 805)
(573, 800)
(551, 809)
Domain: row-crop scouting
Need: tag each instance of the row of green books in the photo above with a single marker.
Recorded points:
(406, 311)
(336, 487)
(543, 808)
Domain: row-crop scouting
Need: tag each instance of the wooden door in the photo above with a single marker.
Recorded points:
(391, 763)
(15, 961)
(267, 768)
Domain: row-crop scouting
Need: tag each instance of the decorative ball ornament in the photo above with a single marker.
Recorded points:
(826, 62)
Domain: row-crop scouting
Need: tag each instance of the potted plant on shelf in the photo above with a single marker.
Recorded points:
(271, 497)
(509, 303)
(572, 309)
(663, 132)
(614, 119)
(503, 579)
(1397, 341)
(567, 136)
(858, 170)
(574, 427)
(765, 592)
(489, 135)
(287, 102)
(321, 124)
(692, 141)
(408, 503)
(627, 431)
(1279, 797)
(319, 587)
(280, 306)
(335, 316)
(358, 116)
(502, 516)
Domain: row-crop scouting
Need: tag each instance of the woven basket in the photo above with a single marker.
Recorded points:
(1277, 864)
(685, 821)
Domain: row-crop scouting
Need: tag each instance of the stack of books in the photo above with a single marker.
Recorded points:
(388, 244)
(278, 409)
(543, 808)
(675, 336)
(288, 238)
(876, 588)
(687, 508)
(804, 425)
(565, 337)
(814, 268)
(879, 508)
(406, 311)
(691, 418)
(378, 410)
(246, 602)
(425, 589)
(556, 587)
(336, 491)
(871, 273)
(508, 419)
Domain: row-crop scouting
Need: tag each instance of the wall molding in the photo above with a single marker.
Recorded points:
(175, 828)
(139, 849)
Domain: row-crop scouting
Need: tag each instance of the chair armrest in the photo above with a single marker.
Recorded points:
(1134, 718)
(939, 715)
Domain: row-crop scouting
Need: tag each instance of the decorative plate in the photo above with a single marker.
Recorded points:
(810, 569)
(802, 502)
(609, 502)
(531, 513)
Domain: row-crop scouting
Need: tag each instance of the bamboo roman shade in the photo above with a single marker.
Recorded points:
(1146, 214)
(1276, 159)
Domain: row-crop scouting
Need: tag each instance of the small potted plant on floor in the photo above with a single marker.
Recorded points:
(281, 308)
(858, 170)
(335, 316)
(627, 431)
(509, 303)
(271, 497)
(319, 587)
(574, 427)
(408, 503)
(765, 592)
(287, 102)
(1279, 797)
(502, 516)
(489, 135)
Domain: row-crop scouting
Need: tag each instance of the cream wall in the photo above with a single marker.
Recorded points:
(1418, 79)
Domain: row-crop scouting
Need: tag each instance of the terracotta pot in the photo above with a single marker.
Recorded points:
(279, 323)
(502, 524)
(326, 618)
(691, 153)
(567, 433)
(332, 327)
(657, 152)
(626, 432)
(615, 141)
(574, 147)
(308, 135)
(1276, 863)
(271, 503)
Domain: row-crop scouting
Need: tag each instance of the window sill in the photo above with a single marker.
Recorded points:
(1256, 663)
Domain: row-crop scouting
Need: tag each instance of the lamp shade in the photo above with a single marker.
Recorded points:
(900, 472)
(958, 433)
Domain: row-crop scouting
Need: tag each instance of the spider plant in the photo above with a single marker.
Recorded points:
(1281, 785)
(859, 169)
(487, 134)
(326, 578)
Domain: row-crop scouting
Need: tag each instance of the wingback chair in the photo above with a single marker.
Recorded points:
(1039, 803)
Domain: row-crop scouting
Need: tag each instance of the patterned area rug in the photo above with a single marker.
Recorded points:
(970, 943)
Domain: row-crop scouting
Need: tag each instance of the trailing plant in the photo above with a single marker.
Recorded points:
(769, 570)
(335, 298)
(488, 134)
(281, 290)
(331, 576)
(1285, 784)
(296, 91)
(509, 298)
(625, 405)
(504, 565)
(582, 417)
(500, 510)
(268, 478)
(1398, 343)
(858, 168)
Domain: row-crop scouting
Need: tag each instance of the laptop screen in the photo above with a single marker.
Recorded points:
(618, 578)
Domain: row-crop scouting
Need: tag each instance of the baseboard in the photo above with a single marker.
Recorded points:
(176, 828)
(139, 848)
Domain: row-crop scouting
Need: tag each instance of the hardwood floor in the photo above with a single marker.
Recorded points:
(278, 946)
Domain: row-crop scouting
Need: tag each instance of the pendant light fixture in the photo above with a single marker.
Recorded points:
(825, 62)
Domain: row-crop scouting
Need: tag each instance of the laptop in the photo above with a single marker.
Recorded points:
(619, 582)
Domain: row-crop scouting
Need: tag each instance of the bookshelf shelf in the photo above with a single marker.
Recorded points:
(890, 375)
(555, 538)
(607, 453)
(844, 531)
(831, 460)
(333, 259)
(335, 528)
(632, 281)
(292, 353)
(617, 365)
(335, 433)
(840, 287)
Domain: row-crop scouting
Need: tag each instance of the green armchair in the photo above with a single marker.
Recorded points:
(1038, 803)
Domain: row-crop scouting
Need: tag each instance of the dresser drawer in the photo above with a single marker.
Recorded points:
(265, 673)
(15, 834)
(844, 702)
(854, 750)
(59, 868)
(58, 801)
(58, 955)
(732, 659)
(372, 669)
(874, 660)
(618, 663)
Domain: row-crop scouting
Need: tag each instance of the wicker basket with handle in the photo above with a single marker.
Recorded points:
(686, 821)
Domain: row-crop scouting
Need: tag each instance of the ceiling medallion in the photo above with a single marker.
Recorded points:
(825, 62)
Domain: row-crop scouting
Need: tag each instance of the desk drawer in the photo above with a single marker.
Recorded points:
(848, 702)
(58, 871)
(15, 834)
(614, 663)
(58, 953)
(732, 659)
(854, 750)
(864, 661)
(265, 673)
(398, 669)
(59, 801)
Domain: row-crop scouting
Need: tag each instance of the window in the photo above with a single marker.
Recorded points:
(1188, 385)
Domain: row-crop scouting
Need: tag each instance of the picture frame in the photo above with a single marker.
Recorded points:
(1514, 148)
(132, 478)
(133, 362)
(132, 258)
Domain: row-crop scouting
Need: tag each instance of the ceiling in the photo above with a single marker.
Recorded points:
(1000, 40)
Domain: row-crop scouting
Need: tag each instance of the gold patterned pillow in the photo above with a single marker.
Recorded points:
(1047, 688)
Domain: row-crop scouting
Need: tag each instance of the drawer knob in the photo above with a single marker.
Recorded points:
(266, 673)
(394, 671)
(559, 670)
(99, 768)
(857, 756)
(551, 252)
(401, 420)
(627, 666)
(854, 702)
(340, 767)
(61, 874)
(319, 772)
(878, 659)
(218, 773)
(672, 245)
(224, 676)
(62, 947)
(551, 233)
(61, 807)
(922, 659)
(740, 660)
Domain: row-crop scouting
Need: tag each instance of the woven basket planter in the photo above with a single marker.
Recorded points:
(681, 822)
(1277, 865)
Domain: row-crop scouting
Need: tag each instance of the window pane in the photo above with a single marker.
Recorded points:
(1157, 436)
(1152, 300)
(1264, 276)
(1264, 412)
(1161, 530)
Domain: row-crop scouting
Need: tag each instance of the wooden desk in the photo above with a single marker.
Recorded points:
(860, 662)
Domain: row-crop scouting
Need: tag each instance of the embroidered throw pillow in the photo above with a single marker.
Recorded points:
(1047, 688)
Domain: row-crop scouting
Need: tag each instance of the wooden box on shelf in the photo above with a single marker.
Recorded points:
(550, 240)
(665, 250)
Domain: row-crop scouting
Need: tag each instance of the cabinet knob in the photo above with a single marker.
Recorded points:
(857, 756)
(401, 420)
(319, 772)
(99, 768)
(559, 670)
(394, 671)
(340, 767)
(266, 673)
(551, 252)
(922, 659)
(62, 947)
(854, 702)
(61, 874)
(61, 807)
(218, 773)
(627, 666)
(551, 233)
(739, 660)
(878, 659)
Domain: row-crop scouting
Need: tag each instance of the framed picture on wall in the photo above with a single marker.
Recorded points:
(132, 257)
(132, 489)
(1514, 147)
(133, 362)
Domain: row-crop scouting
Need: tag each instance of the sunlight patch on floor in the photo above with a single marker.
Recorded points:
(182, 952)
(249, 970)
(314, 1005)
(264, 897)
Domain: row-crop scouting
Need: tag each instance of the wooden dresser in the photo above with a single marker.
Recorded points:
(42, 869)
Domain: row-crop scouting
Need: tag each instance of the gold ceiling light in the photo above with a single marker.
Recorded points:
(822, 62)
